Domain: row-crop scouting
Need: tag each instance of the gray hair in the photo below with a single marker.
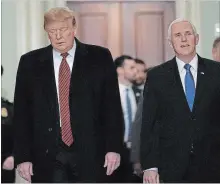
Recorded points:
(216, 42)
(180, 20)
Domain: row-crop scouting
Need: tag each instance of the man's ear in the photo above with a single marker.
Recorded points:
(214, 52)
(170, 43)
(120, 70)
(75, 31)
(197, 39)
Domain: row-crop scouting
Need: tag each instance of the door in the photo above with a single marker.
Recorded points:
(144, 29)
(138, 29)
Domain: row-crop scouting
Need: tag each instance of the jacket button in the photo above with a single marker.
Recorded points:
(47, 151)
(50, 129)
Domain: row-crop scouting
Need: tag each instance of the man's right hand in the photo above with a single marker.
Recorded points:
(25, 170)
(151, 177)
(9, 163)
(137, 169)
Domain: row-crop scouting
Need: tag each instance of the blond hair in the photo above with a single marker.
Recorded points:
(59, 14)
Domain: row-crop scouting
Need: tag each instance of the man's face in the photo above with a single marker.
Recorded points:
(141, 74)
(183, 39)
(216, 53)
(61, 35)
(130, 70)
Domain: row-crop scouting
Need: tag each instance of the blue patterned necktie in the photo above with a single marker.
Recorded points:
(189, 86)
(129, 113)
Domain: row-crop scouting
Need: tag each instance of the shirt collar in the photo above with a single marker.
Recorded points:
(141, 87)
(193, 63)
(71, 52)
(124, 87)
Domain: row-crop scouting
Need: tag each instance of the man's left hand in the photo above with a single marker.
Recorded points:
(137, 169)
(9, 163)
(112, 162)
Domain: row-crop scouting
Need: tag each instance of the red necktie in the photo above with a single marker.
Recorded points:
(64, 85)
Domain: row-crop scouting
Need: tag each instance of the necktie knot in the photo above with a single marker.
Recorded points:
(64, 55)
(187, 67)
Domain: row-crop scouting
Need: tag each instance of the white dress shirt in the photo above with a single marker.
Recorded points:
(182, 70)
(141, 87)
(57, 58)
(182, 73)
(122, 89)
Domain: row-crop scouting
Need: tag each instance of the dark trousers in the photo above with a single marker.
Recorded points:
(206, 174)
(125, 171)
(65, 166)
(192, 174)
(7, 176)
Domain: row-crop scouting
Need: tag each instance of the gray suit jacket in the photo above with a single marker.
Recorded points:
(135, 133)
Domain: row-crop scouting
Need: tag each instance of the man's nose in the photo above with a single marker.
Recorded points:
(183, 38)
(58, 35)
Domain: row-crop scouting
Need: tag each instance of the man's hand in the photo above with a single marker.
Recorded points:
(151, 177)
(25, 170)
(8, 163)
(112, 162)
(137, 169)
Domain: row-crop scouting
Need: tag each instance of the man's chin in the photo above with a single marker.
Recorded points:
(138, 83)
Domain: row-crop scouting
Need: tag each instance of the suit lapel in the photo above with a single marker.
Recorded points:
(178, 86)
(78, 97)
(202, 74)
(48, 81)
(78, 85)
(201, 82)
(79, 65)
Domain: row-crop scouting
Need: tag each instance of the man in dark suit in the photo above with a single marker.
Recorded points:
(126, 70)
(67, 111)
(135, 135)
(216, 49)
(7, 169)
(140, 78)
(180, 135)
(135, 140)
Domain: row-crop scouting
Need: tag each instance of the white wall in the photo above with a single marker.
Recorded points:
(8, 48)
(22, 31)
(210, 15)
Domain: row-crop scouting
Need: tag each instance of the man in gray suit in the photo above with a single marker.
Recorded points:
(216, 49)
(135, 136)
(135, 139)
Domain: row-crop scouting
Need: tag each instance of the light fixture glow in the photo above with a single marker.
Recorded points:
(217, 29)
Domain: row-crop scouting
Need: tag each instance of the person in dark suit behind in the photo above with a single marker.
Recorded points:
(126, 70)
(140, 78)
(216, 49)
(180, 134)
(7, 169)
(135, 139)
(135, 136)
(67, 111)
